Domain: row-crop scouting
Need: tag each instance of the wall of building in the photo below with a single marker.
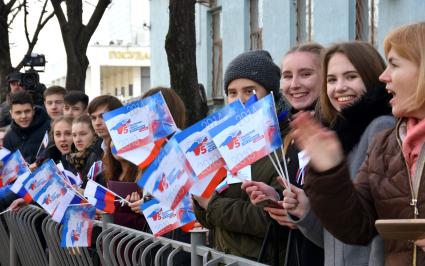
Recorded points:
(329, 22)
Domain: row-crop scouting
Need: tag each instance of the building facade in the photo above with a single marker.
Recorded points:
(119, 53)
(226, 28)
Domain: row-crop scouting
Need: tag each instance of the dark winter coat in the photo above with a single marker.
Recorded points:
(382, 190)
(28, 140)
(300, 250)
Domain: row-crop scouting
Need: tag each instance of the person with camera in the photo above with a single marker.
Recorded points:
(29, 81)
(15, 85)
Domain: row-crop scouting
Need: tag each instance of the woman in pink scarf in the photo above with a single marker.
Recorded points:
(391, 181)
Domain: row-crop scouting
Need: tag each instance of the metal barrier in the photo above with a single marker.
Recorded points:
(30, 237)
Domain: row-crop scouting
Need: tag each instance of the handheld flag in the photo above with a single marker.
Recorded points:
(44, 144)
(77, 226)
(14, 165)
(35, 182)
(247, 137)
(51, 194)
(162, 220)
(70, 176)
(101, 197)
(4, 153)
(201, 151)
(170, 177)
(95, 170)
(134, 128)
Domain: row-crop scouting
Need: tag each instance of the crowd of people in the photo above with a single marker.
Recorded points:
(353, 144)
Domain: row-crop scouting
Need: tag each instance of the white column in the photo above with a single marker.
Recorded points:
(137, 81)
(95, 89)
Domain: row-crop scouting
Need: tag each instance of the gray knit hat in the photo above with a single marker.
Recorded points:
(257, 66)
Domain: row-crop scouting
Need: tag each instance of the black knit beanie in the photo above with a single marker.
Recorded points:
(257, 66)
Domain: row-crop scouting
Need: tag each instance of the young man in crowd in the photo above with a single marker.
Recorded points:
(75, 104)
(29, 124)
(54, 101)
(98, 106)
(246, 230)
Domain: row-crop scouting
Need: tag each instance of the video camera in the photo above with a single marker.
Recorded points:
(30, 79)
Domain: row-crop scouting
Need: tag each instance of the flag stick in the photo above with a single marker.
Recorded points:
(7, 210)
(286, 167)
(41, 144)
(278, 163)
(275, 166)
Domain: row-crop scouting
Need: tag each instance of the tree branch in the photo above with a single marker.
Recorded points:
(27, 35)
(96, 16)
(14, 11)
(40, 25)
(59, 12)
(10, 5)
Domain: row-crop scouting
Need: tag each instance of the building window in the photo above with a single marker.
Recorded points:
(123, 91)
(130, 90)
(116, 91)
(256, 24)
(217, 52)
(304, 20)
(366, 12)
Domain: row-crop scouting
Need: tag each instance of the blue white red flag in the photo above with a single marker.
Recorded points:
(169, 177)
(202, 153)
(44, 143)
(51, 194)
(136, 127)
(69, 198)
(14, 165)
(95, 170)
(100, 197)
(197, 144)
(77, 226)
(4, 153)
(18, 187)
(70, 176)
(162, 220)
(247, 137)
(35, 182)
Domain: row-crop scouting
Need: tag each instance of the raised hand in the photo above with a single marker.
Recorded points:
(321, 144)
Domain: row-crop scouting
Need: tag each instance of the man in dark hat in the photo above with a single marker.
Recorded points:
(238, 227)
(14, 80)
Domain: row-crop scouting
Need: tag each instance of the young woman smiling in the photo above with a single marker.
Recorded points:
(388, 183)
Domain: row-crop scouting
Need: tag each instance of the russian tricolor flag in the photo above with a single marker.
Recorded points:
(100, 197)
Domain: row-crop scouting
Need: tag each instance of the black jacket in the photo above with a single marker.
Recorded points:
(28, 140)
(300, 250)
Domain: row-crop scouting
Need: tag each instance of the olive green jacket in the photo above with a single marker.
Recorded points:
(237, 226)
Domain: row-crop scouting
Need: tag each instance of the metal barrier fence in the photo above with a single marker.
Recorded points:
(30, 237)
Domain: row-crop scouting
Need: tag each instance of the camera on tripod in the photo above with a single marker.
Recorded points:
(33, 64)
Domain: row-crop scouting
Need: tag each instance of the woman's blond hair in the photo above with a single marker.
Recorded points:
(409, 42)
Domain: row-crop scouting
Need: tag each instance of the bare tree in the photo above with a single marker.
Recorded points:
(8, 13)
(180, 45)
(76, 37)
